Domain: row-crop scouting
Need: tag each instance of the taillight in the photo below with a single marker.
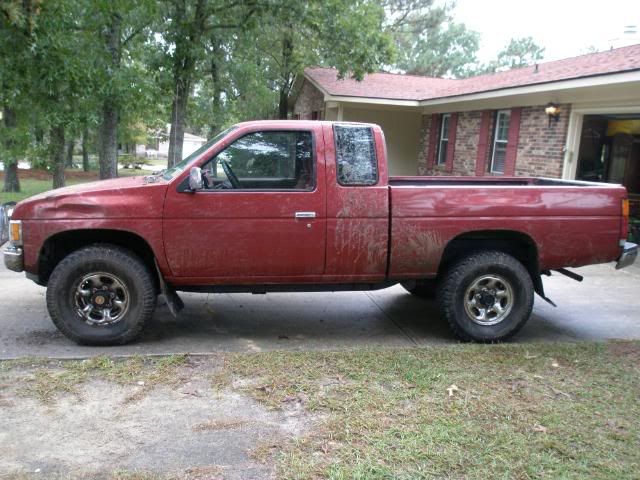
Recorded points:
(624, 231)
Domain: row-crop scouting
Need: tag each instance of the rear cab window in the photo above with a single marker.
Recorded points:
(356, 160)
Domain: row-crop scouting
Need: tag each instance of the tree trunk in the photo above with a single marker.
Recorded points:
(109, 141)
(57, 155)
(178, 114)
(108, 150)
(85, 150)
(184, 64)
(286, 74)
(283, 105)
(216, 100)
(69, 152)
(11, 180)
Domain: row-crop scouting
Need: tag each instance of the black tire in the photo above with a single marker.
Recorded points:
(103, 261)
(489, 281)
(422, 288)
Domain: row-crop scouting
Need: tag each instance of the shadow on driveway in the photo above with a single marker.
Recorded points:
(606, 305)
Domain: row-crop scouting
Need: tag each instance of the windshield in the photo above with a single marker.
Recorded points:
(178, 168)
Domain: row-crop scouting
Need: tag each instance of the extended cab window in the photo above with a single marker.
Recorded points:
(355, 155)
(268, 160)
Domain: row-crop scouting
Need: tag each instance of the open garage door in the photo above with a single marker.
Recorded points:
(610, 152)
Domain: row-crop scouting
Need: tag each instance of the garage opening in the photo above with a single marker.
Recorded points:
(610, 152)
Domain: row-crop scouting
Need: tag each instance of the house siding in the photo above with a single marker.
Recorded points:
(539, 151)
(309, 100)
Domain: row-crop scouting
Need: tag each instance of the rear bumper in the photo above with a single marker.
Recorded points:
(629, 254)
(14, 258)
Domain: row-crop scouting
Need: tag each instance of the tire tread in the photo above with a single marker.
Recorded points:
(103, 251)
(454, 276)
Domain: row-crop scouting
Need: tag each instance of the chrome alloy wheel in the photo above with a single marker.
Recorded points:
(101, 299)
(488, 300)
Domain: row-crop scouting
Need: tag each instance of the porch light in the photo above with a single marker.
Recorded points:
(553, 112)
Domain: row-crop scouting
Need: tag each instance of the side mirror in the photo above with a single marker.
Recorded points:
(195, 179)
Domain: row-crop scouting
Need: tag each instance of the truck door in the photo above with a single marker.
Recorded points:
(357, 203)
(261, 214)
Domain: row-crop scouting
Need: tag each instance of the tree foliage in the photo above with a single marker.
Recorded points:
(428, 40)
(111, 72)
(520, 52)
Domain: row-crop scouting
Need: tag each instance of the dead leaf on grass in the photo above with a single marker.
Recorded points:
(452, 389)
(558, 393)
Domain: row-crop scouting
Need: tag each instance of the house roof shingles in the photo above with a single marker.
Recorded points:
(393, 86)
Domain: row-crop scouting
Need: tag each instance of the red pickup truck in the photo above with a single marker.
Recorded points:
(301, 206)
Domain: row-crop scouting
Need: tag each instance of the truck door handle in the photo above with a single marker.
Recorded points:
(305, 215)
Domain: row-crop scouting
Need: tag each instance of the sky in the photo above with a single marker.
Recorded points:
(565, 28)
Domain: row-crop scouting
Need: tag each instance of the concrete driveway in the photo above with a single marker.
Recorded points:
(606, 305)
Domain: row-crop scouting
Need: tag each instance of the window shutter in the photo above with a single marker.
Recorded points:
(433, 139)
(483, 143)
(512, 144)
(451, 144)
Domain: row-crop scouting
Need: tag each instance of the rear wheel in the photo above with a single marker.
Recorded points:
(101, 295)
(486, 297)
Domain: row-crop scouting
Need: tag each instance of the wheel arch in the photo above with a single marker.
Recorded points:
(61, 244)
(517, 244)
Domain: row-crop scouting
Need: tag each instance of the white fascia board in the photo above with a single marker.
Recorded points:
(560, 85)
(372, 101)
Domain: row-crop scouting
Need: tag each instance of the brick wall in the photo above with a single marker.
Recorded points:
(464, 159)
(540, 149)
(309, 100)
(539, 152)
(423, 145)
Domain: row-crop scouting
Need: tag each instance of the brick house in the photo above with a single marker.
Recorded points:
(498, 124)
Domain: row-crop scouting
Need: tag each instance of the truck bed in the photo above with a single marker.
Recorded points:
(570, 223)
(462, 181)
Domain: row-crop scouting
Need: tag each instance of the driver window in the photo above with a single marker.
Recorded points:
(268, 160)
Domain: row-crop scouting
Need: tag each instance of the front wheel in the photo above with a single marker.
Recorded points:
(486, 297)
(101, 295)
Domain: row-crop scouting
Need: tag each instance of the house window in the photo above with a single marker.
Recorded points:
(500, 140)
(445, 120)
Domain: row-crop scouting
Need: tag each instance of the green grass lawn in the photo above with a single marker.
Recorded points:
(467, 411)
(516, 411)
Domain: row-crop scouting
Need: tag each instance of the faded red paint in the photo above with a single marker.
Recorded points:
(252, 237)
